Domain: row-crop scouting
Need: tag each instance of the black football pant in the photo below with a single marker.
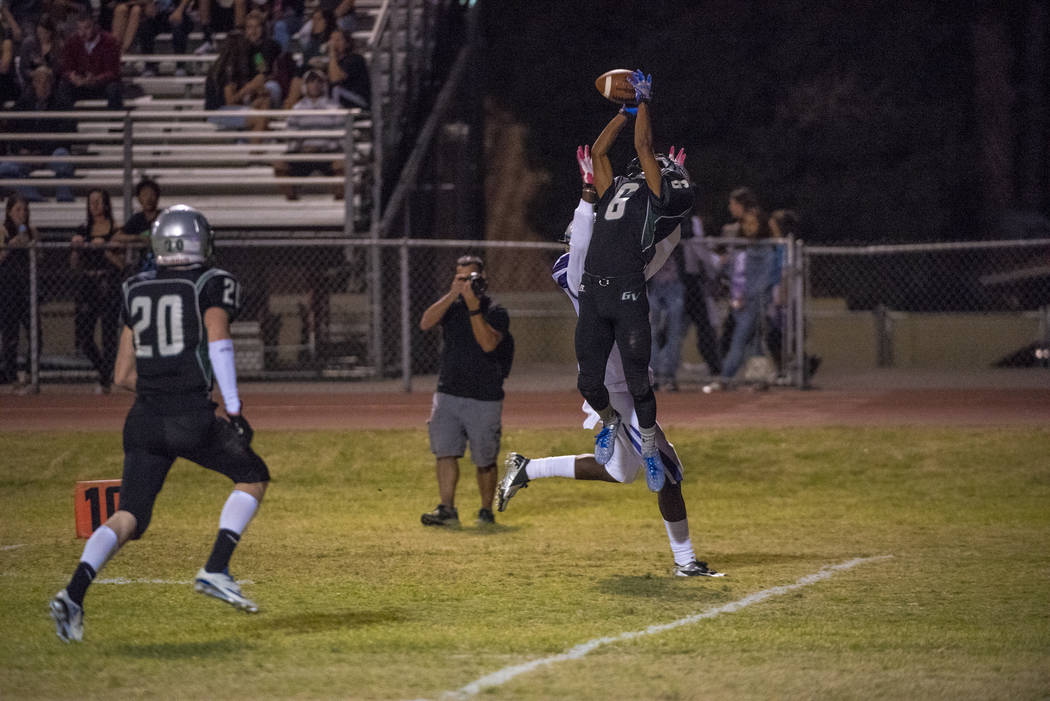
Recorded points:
(615, 310)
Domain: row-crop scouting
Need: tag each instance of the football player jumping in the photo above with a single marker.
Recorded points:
(634, 212)
(175, 342)
(628, 458)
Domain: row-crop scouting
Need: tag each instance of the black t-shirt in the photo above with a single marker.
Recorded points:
(93, 258)
(357, 79)
(467, 370)
(165, 310)
(629, 219)
(14, 269)
(138, 225)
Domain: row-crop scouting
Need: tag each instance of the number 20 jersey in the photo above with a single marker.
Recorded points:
(165, 310)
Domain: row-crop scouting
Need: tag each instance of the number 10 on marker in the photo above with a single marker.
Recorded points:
(95, 501)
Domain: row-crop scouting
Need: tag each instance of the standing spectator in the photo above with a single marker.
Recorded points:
(41, 49)
(136, 230)
(348, 72)
(741, 199)
(99, 268)
(667, 318)
(315, 99)
(635, 211)
(40, 96)
(159, 16)
(700, 265)
(91, 64)
(782, 224)
(163, 362)
(751, 280)
(468, 404)
(18, 233)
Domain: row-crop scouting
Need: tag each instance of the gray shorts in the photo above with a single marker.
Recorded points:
(455, 420)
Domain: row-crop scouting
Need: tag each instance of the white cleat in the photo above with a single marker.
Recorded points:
(222, 586)
(68, 617)
(696, 568)
(514, 479)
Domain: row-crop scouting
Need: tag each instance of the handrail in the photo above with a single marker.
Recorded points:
(142, 115)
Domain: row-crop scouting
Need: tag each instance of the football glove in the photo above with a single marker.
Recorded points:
(642, 84)
(243, 428)
(583, 157)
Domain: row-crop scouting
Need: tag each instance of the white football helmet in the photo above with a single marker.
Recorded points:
(181, 236)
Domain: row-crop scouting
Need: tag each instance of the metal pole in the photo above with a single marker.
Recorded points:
(376, 284)
(406, 328)
(128, 170)
(348, 176)
(801, 284)
(34, 322)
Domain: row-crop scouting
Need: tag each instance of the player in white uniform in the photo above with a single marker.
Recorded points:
(627, 458)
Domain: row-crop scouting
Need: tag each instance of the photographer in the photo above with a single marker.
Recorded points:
(468, 405)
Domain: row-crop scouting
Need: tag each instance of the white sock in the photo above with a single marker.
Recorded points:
(99, 547)
(238, 511)
(561, 466)
(681, 543)
(648, 439)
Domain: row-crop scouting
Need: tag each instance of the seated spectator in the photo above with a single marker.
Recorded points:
(233, 85)
(264, 53)
(343, 11)
(124, 26)
(20, 16)
(219, 16)
(91, 65)
(9, 88)
(40, 96)
(41, 49)
(136, 230)
(348, 72)
(160, 16)
(285, 16)
(315, 99)
(313, 42)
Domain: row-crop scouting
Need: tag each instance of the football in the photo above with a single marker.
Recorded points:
(613, 86)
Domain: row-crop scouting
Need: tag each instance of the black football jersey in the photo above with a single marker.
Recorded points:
(630, 219)
(165, 310)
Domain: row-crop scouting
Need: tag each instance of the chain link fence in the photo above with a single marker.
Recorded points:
(954, 307)
(346, 310)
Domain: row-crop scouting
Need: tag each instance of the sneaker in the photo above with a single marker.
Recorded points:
(605, 441)
(68, 617)
(486, 518)
(222, 586)
(206, 47)
(441, 516)
(696, 568)
(514, 479)
(715, 386)
(654, 469)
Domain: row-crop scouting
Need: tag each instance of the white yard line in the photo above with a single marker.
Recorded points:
(12, 547)
(125, 580)
(507, 673)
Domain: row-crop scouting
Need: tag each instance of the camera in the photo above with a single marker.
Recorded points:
(479, 284)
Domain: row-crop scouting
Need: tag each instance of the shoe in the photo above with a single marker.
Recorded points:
(68, 617)
(654, 469)
(715, 386)
(441, 516)
(605, 441)
(101, 388)
(206, 47)
(486, 518)
(222, 586)
(812, 365)
(696, 568)
(514, 479)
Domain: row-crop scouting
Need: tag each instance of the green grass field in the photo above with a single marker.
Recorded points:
(361, 601)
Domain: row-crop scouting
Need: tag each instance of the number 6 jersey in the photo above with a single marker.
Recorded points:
(165, 310)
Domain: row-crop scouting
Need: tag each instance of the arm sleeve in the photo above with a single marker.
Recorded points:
(221, 355)
(582, 229)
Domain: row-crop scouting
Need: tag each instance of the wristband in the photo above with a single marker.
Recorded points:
(476, 311)
(221, 355)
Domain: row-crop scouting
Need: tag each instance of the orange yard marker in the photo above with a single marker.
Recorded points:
(94, 502)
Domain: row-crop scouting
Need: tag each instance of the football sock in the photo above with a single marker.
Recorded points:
(607, 413)
(81, 580)
(681, 543)
(99, 547)
(648, 439)
(222, 551)
(561, 466)
(238, 511)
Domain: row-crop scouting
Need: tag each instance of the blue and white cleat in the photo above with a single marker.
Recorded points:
(654, 472)
(68, 617)
(223, 587)
(605, 441)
